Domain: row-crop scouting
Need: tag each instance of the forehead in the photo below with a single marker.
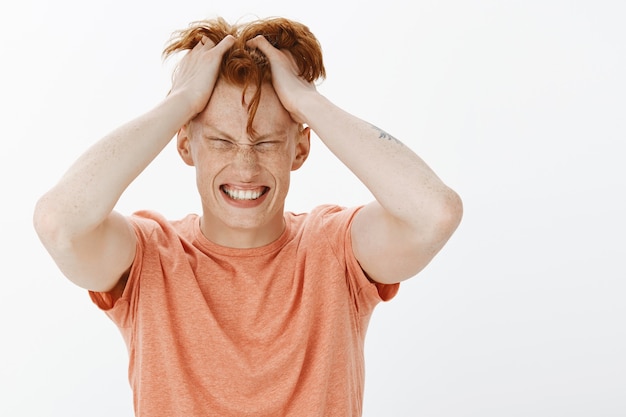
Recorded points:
(227, 111)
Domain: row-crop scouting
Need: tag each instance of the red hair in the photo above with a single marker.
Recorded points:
(243, 66)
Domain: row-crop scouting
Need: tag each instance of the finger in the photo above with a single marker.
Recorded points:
(259, 42)
(207, 41)
(204, 42)
(225, 44)
(222, 46)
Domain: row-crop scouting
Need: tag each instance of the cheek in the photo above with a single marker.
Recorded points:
(202, 180)
(281, 165)
(207, 169)
(282, 175)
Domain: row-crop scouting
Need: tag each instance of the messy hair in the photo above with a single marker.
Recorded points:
(245, 67)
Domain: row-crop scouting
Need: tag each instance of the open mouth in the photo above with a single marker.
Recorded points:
(244, 194)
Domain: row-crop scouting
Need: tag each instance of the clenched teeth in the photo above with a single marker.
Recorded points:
(237, 194)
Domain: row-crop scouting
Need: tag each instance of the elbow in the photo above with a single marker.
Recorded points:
(48, 223)
(445, 217)
(43, 221)
(451, 212)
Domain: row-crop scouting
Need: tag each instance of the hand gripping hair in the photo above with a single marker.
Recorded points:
(243, 66)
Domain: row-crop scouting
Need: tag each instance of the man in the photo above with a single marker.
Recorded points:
(246, 309)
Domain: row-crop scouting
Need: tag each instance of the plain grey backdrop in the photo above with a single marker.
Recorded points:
(518, 105)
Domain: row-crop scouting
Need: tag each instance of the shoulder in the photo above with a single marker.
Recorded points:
(334, 220)
(325, 225)
(149, 224)
(326, 214)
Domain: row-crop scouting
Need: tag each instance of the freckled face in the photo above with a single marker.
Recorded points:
(242, 180)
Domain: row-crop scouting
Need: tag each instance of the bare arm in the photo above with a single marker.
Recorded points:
(92, 244)
(414, 212)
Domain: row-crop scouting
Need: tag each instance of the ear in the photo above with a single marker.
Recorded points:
(183, 145)
(303, 146)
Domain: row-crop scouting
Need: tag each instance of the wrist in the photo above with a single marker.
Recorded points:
(179, 108)
(310, 106)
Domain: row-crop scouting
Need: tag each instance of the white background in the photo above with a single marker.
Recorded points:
(518, 105)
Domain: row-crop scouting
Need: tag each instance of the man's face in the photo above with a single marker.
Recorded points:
(242, 180)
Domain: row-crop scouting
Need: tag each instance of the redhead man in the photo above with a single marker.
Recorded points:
(246, 309)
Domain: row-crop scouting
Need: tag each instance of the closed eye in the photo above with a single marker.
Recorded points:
(219, 143)
(267, 146)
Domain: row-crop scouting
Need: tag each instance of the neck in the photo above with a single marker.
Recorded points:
(241, 237)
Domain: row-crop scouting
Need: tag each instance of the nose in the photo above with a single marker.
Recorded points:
(246, 160)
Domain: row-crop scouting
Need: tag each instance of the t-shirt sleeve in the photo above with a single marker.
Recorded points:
(337, 226)
(119, 308)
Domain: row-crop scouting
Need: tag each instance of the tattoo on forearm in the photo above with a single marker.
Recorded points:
(384, 135)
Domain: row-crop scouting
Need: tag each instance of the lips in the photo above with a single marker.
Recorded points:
(244, 194)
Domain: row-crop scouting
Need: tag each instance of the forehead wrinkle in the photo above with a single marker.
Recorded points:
(277, 134)
(213, 131)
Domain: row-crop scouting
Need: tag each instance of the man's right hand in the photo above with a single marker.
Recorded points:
(93, 245)
(197, 72)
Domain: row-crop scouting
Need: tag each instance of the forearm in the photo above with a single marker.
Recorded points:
(89, 190)
(400, 180)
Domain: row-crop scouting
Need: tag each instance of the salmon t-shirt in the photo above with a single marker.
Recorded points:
(276, 330)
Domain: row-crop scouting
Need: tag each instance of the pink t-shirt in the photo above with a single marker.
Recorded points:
(271, 331)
